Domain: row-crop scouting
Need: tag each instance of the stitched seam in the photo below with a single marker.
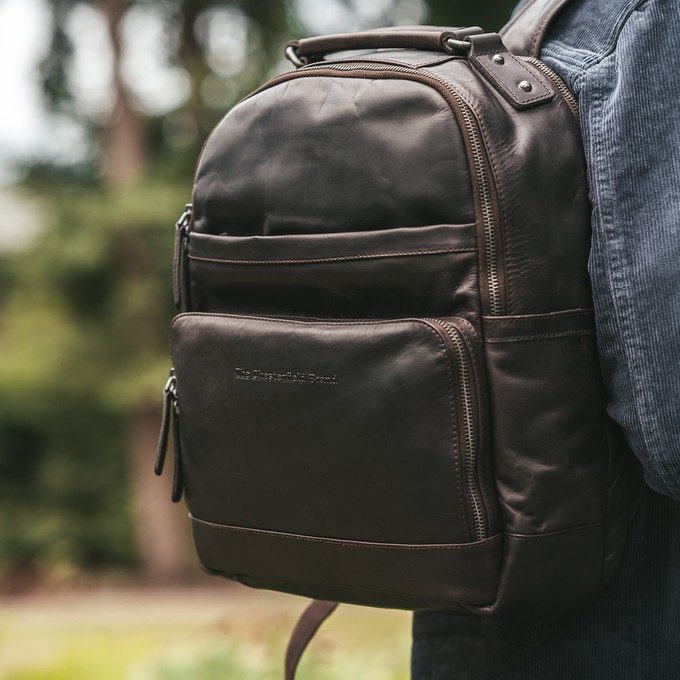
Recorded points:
(212, 315)
(548, 336)
(341, 258)
(556, 532)
(539, 32)
(436, 61)
(537, 36)
(337, 322)
(526, 317)
(535, 76)
(347, 544)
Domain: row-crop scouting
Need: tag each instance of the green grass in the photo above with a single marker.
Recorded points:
(216, 634)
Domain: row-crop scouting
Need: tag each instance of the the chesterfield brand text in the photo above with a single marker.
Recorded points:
(257, 375)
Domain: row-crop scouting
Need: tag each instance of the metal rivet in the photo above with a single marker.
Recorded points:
(525, 85)
(498, 59)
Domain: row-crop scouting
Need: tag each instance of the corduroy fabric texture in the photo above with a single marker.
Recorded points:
(620, 57)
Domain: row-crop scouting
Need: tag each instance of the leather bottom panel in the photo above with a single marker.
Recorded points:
(376, 574)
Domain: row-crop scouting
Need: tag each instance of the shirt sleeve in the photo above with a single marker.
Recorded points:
(629, 91)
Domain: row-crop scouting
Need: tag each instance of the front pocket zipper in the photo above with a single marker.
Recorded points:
(170, 420)
(469, 436)
(375, 423)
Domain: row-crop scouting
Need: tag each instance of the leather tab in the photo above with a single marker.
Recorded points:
(515, 79)
(525, 32)
(305, 629)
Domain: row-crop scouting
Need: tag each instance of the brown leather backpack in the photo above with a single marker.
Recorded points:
(387, 388)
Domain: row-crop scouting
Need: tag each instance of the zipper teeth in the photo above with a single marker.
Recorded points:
(470, 467)
(487, 210)
(493, 280)
(559, 83)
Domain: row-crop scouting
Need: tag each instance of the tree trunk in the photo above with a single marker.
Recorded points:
(161, 527)
(124, 156)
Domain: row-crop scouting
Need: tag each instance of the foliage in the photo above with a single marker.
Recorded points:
(82, 341)
(246, 640)
(269, 25)
(488, 15)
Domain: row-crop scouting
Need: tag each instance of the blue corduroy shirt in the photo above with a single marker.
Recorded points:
(621, 58)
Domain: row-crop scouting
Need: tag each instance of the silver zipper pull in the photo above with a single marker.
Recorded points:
(184, 221)
(179, 272)
(169, 406)
(170, 417)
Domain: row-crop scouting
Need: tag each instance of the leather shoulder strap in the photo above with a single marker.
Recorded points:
(524, 33)
(305, 629)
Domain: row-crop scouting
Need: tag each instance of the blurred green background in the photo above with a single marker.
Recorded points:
(106, 104)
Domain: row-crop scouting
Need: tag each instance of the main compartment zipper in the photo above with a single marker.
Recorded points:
(491, 269)
(180, 274)
(468, 436)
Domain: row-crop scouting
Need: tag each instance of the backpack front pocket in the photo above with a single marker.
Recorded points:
(367, 432)
(389, 273)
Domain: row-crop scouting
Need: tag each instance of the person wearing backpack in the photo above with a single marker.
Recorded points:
(620, 59)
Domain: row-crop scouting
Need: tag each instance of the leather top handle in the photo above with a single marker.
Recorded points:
(523, 35)
(439, 39)
(525, 32)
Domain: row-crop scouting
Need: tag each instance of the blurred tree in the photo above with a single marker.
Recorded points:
(101, 280)
(85, 312)
(123, 154)
(488, 15)
(223, 48)
(83, 355)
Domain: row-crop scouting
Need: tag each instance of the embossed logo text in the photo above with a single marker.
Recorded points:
(291, 377)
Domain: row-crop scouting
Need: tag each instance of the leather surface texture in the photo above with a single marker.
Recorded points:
(387, 380)
(393, 381)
